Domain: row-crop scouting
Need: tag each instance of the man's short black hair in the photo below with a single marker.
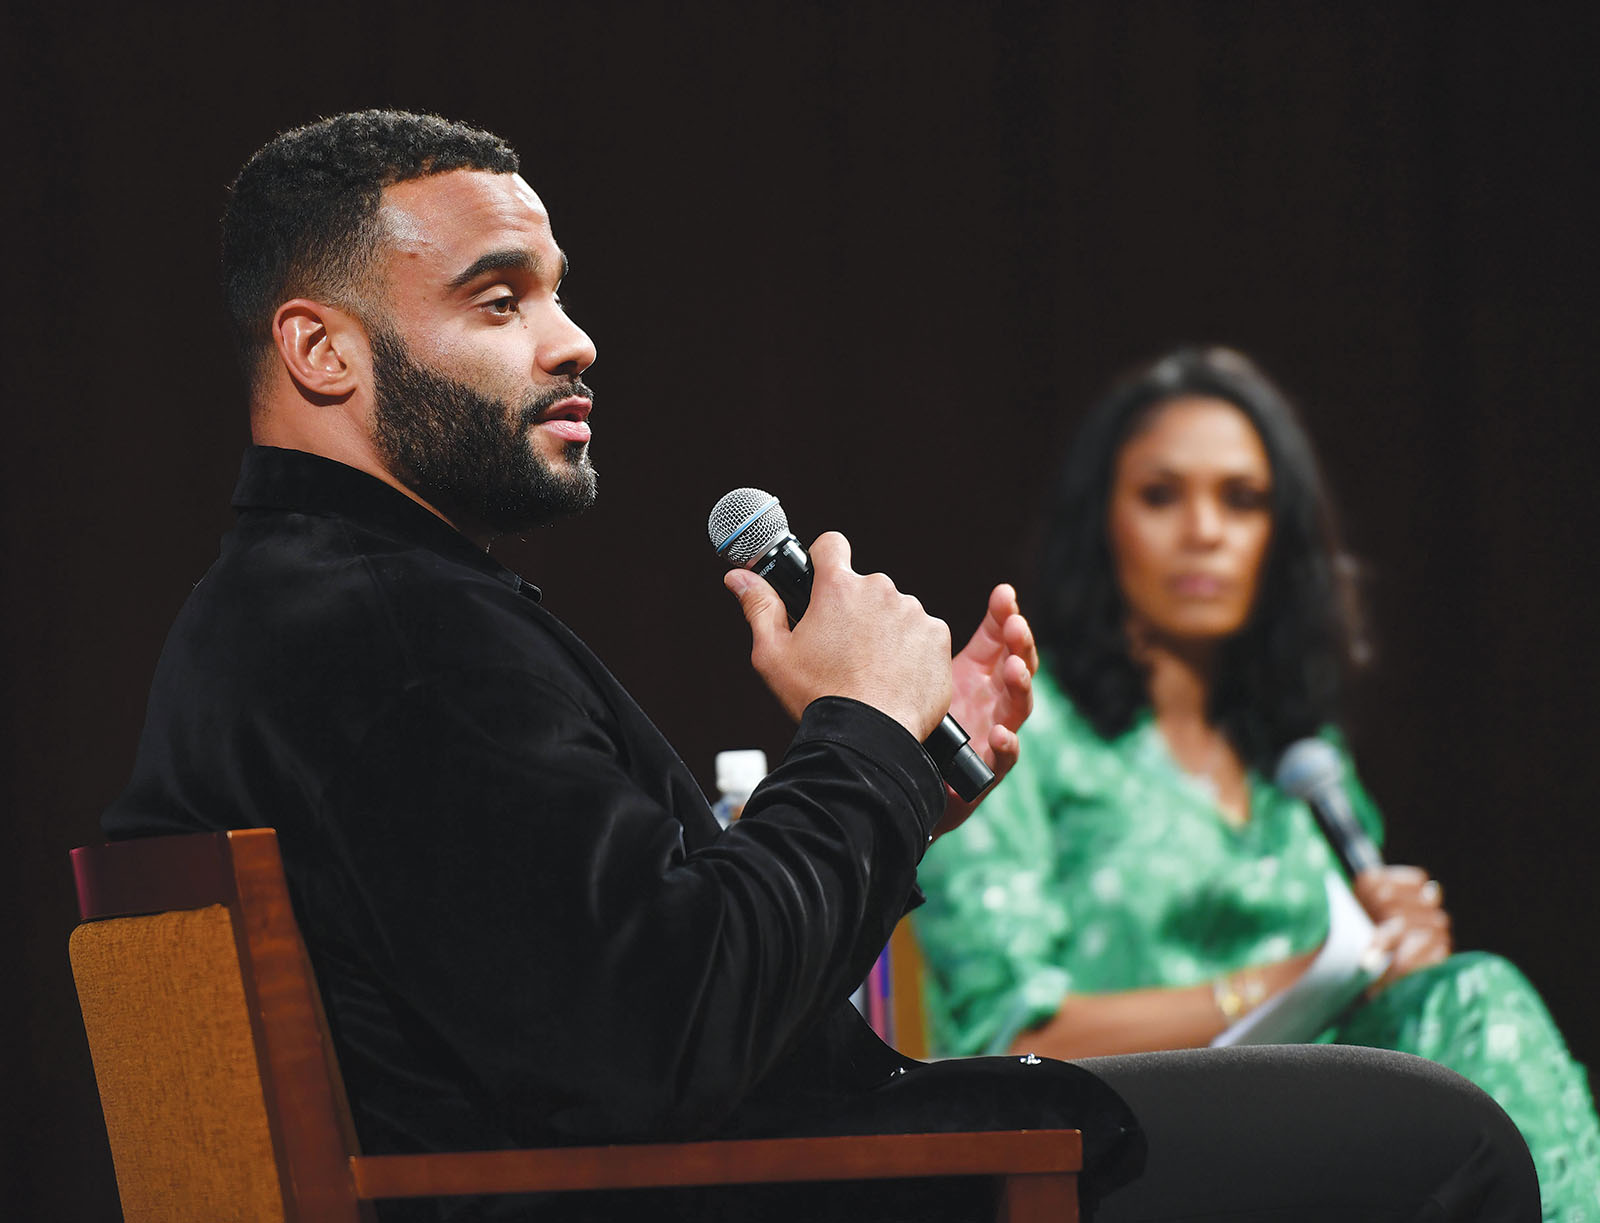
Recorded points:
(302, 219)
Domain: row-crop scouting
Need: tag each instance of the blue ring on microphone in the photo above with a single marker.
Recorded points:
(740, 529)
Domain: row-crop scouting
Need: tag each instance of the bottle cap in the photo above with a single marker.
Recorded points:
(739, 772)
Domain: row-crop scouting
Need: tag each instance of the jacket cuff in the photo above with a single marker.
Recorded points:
(871, 733)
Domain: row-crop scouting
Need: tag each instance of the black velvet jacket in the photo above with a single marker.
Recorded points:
(526, 923)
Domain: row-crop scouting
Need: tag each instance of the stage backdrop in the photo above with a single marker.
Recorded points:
(876, 258)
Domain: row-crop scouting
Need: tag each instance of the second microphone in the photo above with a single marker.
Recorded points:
(748, 528)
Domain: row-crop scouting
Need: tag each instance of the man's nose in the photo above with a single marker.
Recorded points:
(569, 352)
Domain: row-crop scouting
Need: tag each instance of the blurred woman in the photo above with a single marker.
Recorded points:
(1137, 882)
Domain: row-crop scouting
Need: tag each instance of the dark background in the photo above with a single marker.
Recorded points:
(876, 258)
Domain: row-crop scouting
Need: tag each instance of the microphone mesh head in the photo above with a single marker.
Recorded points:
(1307, 767)
(745, 523)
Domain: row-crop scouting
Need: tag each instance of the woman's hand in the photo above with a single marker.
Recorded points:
(993, 690)
(1413, 926)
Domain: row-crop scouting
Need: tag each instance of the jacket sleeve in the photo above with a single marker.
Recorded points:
(534, 910)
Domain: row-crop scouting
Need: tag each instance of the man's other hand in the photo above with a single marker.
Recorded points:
(993, 691)
(859, 638)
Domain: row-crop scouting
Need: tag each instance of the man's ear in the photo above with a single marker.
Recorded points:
(324, 349)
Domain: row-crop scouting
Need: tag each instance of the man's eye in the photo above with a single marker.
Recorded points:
(502, 305)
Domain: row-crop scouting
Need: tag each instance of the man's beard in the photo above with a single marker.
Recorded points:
(467, 453)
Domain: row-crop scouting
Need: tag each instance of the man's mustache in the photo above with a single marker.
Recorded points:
(535, 408)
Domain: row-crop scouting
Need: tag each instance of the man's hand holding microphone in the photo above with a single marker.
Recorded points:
(819, 628)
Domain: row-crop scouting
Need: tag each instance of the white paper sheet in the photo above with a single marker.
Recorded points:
(1344, 967)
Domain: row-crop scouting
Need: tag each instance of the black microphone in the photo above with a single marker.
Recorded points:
(1310, 769)
(748, 528)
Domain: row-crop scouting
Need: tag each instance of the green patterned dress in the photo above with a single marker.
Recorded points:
(1098, 867)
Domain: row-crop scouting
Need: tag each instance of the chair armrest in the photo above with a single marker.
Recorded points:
(737, 1162)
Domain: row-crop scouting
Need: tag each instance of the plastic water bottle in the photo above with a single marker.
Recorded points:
(738, 773)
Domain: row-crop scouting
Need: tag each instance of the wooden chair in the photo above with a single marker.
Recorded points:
(908, 1018)
(223, 1100)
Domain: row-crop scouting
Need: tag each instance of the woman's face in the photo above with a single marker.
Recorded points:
(1190, 519)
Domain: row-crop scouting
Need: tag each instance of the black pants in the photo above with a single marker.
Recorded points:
(1313, 1133)
(1283, 1134)
(1280, 1134)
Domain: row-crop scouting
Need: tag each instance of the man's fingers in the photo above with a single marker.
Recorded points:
(760, 603)
(1002, 607)
(1019, 640)
(830, 550)
(1016, 700)
(987, 643)
(1002, 633)
(1005, 748)
(1019, 676)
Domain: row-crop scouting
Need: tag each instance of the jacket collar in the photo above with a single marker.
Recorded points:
(271, 478)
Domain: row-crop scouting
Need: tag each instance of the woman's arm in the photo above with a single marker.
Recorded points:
(1414, 929)
(1175, 1017)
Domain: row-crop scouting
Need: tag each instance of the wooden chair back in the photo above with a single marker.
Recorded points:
(907, 1014)
(223, 1100)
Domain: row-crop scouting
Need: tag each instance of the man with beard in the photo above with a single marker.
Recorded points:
(526, 923)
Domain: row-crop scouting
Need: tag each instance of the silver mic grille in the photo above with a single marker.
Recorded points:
(745, 523)
(1307, 767)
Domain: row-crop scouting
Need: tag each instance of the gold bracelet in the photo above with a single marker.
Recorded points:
(1238, 994)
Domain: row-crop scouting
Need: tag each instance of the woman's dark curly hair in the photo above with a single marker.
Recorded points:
(1280, 678)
